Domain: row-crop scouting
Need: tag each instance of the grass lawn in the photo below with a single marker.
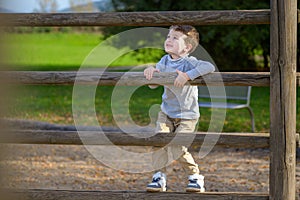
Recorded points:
(54, 104)
(57, 51)
(66, 51)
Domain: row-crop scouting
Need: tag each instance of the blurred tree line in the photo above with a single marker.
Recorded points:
(46, 6)
(233, 48)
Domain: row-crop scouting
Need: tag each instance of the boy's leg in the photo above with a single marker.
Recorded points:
(160, 156)
(186, 159)
(164, 124)
(196, 181)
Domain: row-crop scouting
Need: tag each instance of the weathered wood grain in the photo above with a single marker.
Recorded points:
(157, 18)
(134, 78)
(242, 140)
(283, 99)
(34, 194)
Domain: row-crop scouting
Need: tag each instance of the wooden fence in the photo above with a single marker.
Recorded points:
(282, 79)
(166, 18)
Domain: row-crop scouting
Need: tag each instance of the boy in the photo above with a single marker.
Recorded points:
(179, 109)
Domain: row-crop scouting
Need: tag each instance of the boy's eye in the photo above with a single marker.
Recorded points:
(172, 37)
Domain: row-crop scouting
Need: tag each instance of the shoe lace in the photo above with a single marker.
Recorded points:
(193, 180)
(156, 179)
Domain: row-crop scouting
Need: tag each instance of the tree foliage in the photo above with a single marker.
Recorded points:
(81, 5)
(243, 48)
(46, 6)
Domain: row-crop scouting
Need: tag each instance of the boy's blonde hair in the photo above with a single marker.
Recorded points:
(191, 33)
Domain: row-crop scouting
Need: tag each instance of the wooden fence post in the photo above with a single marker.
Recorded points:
(283, 99)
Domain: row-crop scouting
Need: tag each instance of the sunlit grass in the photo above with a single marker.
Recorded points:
(67, 51)
(54, 104)
(61, 51)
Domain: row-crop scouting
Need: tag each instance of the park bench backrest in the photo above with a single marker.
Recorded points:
(229, 92)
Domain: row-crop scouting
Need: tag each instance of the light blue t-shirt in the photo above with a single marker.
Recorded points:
(182, 102)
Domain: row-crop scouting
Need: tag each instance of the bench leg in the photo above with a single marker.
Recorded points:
(252, 119)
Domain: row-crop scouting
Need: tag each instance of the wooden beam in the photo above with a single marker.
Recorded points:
(283, 99)
(157, 18)
(33, 194)
(238, 140)
(133, 78)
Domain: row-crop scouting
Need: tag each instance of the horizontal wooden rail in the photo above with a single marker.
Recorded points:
(238, 140)
(133, 78)
(34, 194)
(157, 18)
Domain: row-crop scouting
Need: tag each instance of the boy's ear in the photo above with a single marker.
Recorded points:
(189, 47)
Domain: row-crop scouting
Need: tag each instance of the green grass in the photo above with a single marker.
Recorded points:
(67, 51)
(58, 51)
(54, 104)
(50, 51)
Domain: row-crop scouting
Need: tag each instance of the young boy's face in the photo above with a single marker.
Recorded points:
(175, 44)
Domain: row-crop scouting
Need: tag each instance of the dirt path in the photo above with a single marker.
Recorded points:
(73, 167)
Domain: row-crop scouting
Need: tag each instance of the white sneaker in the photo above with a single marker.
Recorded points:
(196, 183)
(159, 183)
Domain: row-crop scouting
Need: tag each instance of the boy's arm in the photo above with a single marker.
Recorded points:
(148, 73)
(181, 79)
(201, 68)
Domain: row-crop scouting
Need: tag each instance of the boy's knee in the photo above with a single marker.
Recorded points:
(162, 128)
